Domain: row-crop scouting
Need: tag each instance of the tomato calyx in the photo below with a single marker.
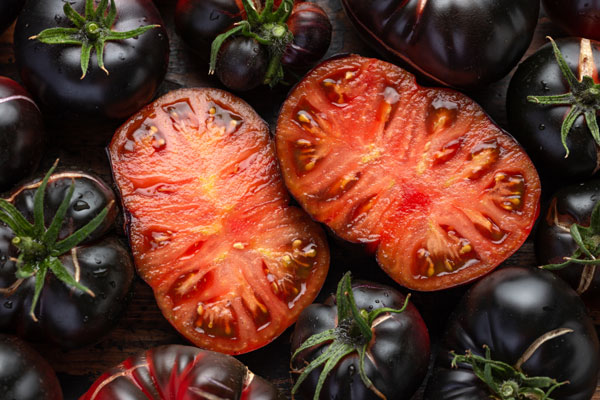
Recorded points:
(353, 333)
(38, 247)
(584, 97)
(92, 30)
(268, 28)
(508, 382)
(587, 253)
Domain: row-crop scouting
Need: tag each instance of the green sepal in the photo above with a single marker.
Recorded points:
(59, 36)
(14, 219)
(59, 270)
(79, 235)
(40, 280)
(51, 234)
(38, 203)
(218, 42)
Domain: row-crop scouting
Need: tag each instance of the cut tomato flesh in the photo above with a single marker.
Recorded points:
(231, 263)
(421, 174)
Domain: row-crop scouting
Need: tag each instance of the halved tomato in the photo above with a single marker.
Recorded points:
(422, 174)
(231, 263)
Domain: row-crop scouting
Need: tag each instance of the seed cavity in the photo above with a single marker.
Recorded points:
(182, 115)
(441, 115)
(508, 191)
(335, 89)
(222, 121)
(486, 226)
(481, 159)
(217, 318)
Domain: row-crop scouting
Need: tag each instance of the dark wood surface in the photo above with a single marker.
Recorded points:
(142, 326)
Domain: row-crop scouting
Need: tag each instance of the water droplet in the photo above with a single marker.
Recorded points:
(86, 318)
(112, 284)
(351, 369)
(377, 301)
(81, 205)
(541, 127)
(214, 15)
(8, 304)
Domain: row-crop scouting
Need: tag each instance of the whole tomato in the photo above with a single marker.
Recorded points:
(577, 17)
(55, 43)
(452, 42)
(62, 279)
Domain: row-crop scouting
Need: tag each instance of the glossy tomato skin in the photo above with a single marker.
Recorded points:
(68, 317)
(311, 28)
(398, 353)
(507, 311)
(25, 375)
(52, 73)
(537, 127)
(199, 22)
(21, 133)
(9, 9)
(577, 17)
(553, 242)
(242, 63)
(456, 43)
(181, 372)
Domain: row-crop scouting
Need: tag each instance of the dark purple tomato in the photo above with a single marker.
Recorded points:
(577, 17)
(53, 73)
(553, 242)
(21, 133)
(64, 314)
(24, 374)
(9, 9)
(453, 42)
(538, 127)
(181, 372)
(396, 357)
(312, 35)
(242, 63)
(529, 319)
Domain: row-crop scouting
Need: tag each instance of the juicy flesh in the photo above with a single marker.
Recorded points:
(422, 174)
(210, 226)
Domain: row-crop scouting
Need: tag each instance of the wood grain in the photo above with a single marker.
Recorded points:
(142, 326)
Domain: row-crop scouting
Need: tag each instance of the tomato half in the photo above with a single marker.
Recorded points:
(421, 174)
(231, 263)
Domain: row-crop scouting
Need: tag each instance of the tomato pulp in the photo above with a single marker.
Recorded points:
(231, 263)
(421, 174)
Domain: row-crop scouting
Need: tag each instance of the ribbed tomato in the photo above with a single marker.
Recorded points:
(231, 263)
(422, 174)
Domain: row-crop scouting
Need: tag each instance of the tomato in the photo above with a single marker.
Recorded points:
(115, 85)
(25, 375)
(573, 205)
(276, 34)
(577, 17)
(9, 9)
(422, 175)
(21, 133)
(181, 372)
(456, 43)
(391, 349)
(83, 287)
(230, 262)
(556, 135)
(531, 321)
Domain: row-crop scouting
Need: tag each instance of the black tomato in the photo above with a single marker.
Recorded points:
(85, 283)
(453, 42)
(181, 372)
(577, 17)
(114, 85)
(541, 128)
(242, 63)
(25, 375)
(394, 345)
(21, 133)
(9, 9)
(312, 35)
(554, 241)
(534, 327)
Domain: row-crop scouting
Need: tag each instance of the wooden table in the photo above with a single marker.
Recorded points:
(143, 326)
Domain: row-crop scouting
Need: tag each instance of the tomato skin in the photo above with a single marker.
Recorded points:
(382, 160)
(9, 9)
(454, 43)
(21, 133)
(553, 242)
(68, 317)
(231, 263)
(25, 375)
(399, 350)
(507, 311)
(577, 17)
(182, 372)
(242, 63)
(52, 73)
(538, 127)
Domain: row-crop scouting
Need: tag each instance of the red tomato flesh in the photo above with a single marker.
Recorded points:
(421, 174)
(231, 263)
